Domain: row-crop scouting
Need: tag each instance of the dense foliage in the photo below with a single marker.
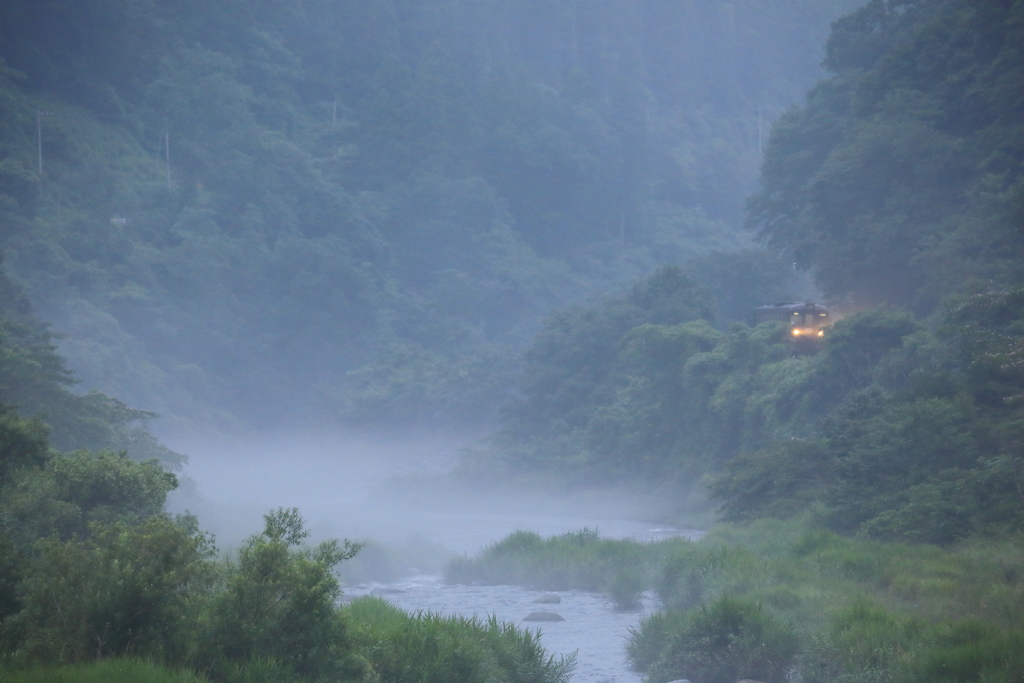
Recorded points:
(887, 428)
(93, 569)
(787, 601)
(903, 175)
(267, 212)
(893, 425)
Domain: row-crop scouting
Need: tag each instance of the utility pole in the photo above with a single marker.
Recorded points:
(759, 147)
(574, 56)
(39, 142)
(167, 158)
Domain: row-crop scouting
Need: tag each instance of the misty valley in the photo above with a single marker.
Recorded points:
(492, 341)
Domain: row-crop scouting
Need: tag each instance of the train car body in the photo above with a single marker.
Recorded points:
(806, 320)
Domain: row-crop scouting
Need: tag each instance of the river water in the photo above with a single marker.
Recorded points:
(592, 628)
(348, 489)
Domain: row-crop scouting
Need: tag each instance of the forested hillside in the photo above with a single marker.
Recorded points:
(269, 211)
(901, 177)
(901, 180)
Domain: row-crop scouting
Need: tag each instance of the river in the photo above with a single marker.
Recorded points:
(397, 494)
(592, 628)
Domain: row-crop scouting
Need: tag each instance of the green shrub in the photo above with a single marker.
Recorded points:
(277, 604)
(967, 651)
(722, 642)
(77, 489)
(578, 559)
(650, 639)
(627, 588)
(862, 644)
(429, 648)
(122, 590)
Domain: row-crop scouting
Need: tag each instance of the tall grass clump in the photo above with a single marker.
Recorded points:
(626, 588)
(862, 643)
(620, 568)
(429, 648)
(723, 641)
(868, 644)
(969, 650)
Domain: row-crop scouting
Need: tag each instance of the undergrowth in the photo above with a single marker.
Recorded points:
(855, 609)
(105, 671)
(430, 648)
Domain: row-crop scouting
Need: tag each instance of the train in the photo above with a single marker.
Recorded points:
(806, 320)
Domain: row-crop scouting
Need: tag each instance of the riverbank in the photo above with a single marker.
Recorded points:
(839, 608)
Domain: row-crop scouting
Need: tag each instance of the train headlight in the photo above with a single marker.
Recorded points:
(821, 333)
(796, 332)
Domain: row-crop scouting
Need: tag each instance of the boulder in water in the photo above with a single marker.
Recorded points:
(543, 616)
(549, 599)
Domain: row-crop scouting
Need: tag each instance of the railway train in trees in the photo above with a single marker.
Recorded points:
(806, 320)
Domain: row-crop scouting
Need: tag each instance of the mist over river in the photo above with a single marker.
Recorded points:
(394, 492)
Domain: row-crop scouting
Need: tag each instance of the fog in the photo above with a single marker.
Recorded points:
(397, 491)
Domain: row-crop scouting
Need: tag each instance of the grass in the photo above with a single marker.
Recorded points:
(106, 671)
(430, 648)
(877, 610)
(582, 560)
(388, 644)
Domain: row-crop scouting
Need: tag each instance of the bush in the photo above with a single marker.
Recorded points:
(123, 590)
(429, 648)
(861, 644)
(627, 588)
(970, 650)
(77, 489)
(722, 642)
(649, 640)
(578, 559)
(277, 605)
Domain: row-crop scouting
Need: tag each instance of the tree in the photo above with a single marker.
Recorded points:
(280, 603)
(122, 590)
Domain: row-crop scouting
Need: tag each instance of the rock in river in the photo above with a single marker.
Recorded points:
(543, 616)
(549, 599)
